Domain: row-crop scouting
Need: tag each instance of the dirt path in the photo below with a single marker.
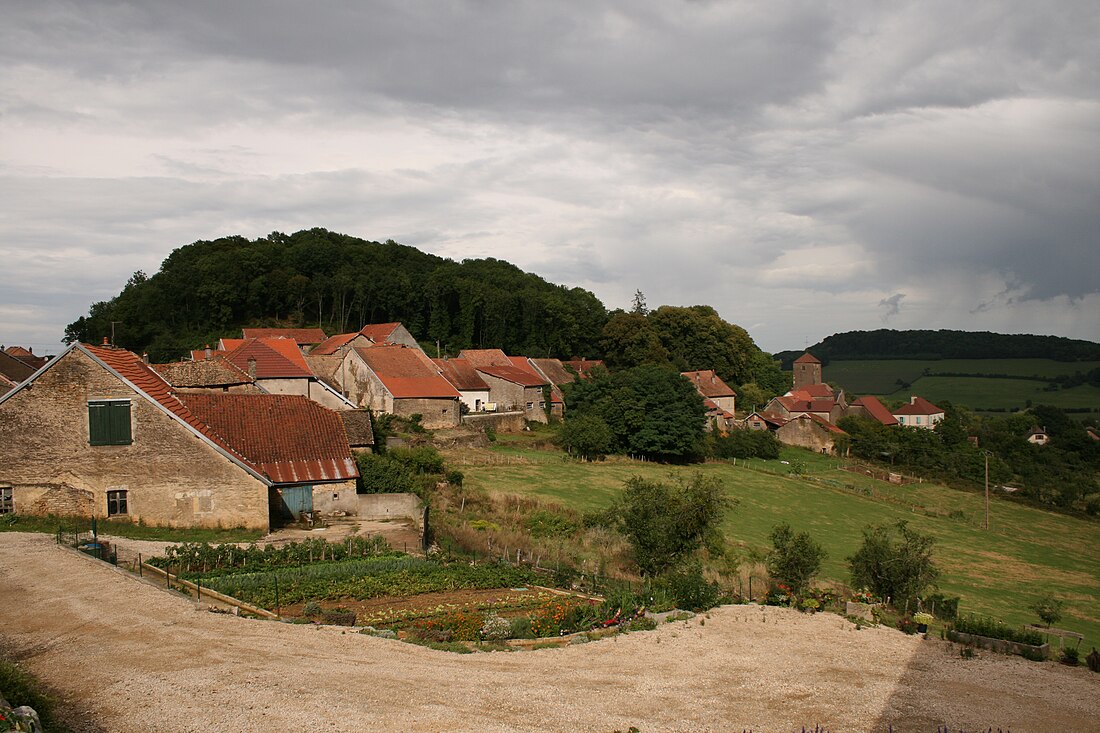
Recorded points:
(139, 659)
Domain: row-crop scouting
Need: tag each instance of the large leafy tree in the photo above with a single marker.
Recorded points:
(667, 522)
(894, 562)
(795, 558)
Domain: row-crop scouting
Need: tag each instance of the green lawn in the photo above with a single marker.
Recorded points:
(1000, 572)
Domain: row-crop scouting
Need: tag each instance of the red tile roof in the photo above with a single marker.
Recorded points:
(485, 357)
(807, 358)
(379, 333)
(332, 344)
(200, 354)
(709, 384)
(275, 358)
(291, 438)
(27, 357)
(876, 409)
(407, 372)
(496, 363)
(583, 366)
(813, 392)
(794, 404)
(216, 372)
(771, 418)
(300, 336)
(918, 406)
(823, 423)
(461, 374)
(522, 377)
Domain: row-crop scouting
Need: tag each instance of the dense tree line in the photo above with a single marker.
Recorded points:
(212, 289)
(945, 344)
(1062, 474)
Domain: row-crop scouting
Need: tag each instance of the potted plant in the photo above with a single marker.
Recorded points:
(922, 620)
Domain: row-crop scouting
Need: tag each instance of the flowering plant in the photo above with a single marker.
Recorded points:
(865, 596)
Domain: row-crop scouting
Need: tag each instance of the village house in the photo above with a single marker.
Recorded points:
(278, 367)
(719, 399)
(1038, 436)
(26, 356)
(810, 431)
(389, 333)
(216, 374)
(14, 370)
(303, 338)
(472, 389)
(763, 421)
(869, 406)
(918, 413)
(511, 387)
(400, 380)
(99, 433)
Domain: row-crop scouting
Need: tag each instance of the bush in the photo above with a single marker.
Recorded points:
(1049, 609)
(691, 591)
(587, 436)
(898, 569)
(1093, 660)
(794, 559)
(455, 477)
(338, 617)
(545, 523)
(311, 609)
(422, 459)
(383, 474)
(993, 629)
(20, 688)
(496, 628)
(744, 444)
(942, 606)
(521, 628)
(1070, 657)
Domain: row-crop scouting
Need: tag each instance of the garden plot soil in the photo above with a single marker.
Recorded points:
(138, 659)
(422, 602)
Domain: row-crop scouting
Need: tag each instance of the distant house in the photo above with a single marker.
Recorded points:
(869, 406)
(1038, 436)
(340, 344)
(511, 388)
(719, 398)
(810, 431)
(99, 433)
(278, 367)
(304, 338)
(763, 421)
(14, 368)
(918, 413)
(472, 389)
(400, 380)
(583, 366)
(389, 333)
(790, 406)
(217, 374)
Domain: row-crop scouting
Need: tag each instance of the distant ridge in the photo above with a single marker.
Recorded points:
(944, 344)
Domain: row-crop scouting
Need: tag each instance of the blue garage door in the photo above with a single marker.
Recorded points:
(297, 499)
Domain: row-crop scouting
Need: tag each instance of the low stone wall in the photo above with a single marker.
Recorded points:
(391, 506)
(1000, 645)
(505, 422)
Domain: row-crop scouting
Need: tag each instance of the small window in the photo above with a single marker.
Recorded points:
(530, 405)
(117, 503)
(7, 503)
(109, 422)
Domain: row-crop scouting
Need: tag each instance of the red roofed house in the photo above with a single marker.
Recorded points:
(720, 400)
(340, 344)
(511, 386)
(918, 413)
(810, 431)
(401, 381)
(27, 356)
(763, 421)
(583, 366)
(304, 338)
(278, 367)
(389, 333)
(472, 389)
(99, 433)
(869, 406)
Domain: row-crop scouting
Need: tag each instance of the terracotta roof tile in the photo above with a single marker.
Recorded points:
(709, 384)
(485, 357)
(358, 427)
(813, 391)
(807, 358)
(407, 372)
(461, 374)
(275, 358)
(876, 409)
(379, 333)
(583, 366)
(823, 423)
(291, 438)
(332, 344)
(918, 406)
(522, 377)
(300, 336)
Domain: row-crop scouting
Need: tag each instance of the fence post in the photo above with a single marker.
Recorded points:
(750, 587)
(140, 573)
(278, 611)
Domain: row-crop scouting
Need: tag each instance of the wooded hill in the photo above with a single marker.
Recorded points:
(944, 344)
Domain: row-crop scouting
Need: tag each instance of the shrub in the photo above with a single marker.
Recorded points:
(1070, 657)
(587, 436)
(521, 628)
(383, 474)
(453, 626)
(421, 459)
(1049, 609)
(690, 590)
(993, 629)
(311, 609)
(942, 606)
(1093, 660)
(545, 523)
(455, 477)
(338, 617)
(496, 628)
(908, 625)
(794, 559)
(898, 569)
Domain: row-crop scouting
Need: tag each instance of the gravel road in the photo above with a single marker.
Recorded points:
(128, 657)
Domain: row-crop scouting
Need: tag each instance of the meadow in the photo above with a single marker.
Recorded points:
(1004, 386)
(1026, 553)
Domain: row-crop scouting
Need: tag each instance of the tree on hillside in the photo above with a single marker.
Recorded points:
(587, 436)
(894, 562)
(697, 338)
(665, 523)
(629, 340)
(795, 558)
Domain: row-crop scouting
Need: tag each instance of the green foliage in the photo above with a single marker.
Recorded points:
(667, 522)
(1049, 609)
(945, 607)
(651, 411)
(422, 459)
(690, 590)
(744, 444)
(898, 568)
(19, 687)
(125, 528)
(383, 474)
(198, 560)
(1071, 657)
(211, 289)
(994, 629)
(543, 523)
(587, 436)
(795, 559)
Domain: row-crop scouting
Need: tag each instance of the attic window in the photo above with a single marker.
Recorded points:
(109, 422)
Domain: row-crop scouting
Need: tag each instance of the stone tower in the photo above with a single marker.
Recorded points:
(807, 371)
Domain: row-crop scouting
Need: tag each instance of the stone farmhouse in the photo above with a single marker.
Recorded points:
(99, 433)
(513, 386)
(400, 380)
(719, 398)
(472, 389)
(810, 431)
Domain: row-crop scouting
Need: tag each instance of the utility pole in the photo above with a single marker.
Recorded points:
(986, 523)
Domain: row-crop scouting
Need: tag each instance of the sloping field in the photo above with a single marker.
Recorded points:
(1027, 553)
(131, 658)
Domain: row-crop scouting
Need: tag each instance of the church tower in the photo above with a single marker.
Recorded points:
(807, 371)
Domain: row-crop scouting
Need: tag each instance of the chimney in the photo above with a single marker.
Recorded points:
(252, 368)
(105, 341)
(209, 353)
(145, 358)
(913, 400)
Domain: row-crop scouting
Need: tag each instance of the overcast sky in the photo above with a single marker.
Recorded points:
(804, 167)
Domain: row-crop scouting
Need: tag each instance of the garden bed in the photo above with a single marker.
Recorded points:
(1028, 651)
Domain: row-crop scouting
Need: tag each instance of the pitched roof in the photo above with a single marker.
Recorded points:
(554, 370)
(289, 437)
(917, 406)
(461, 374)
(406, 372)
(300, 336)
(200, 354)
(813, 392)
(276, 358)
(216, 372)
(583, 366)
(332, 344)
(379, 333)
(794, 404)
(522, 377)
(496, 363)
(823, 423)
(15, 368)
(709, 383)
(771, 418)
(712, 407)
(807, 358)
(358, 427)
(485, 357)
(876, 409)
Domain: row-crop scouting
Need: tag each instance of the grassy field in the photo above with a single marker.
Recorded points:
(1000, 572)
(880, 377)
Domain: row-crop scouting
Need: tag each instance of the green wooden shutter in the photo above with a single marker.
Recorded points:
(99, 432)
(120, 423)
(109, 422)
